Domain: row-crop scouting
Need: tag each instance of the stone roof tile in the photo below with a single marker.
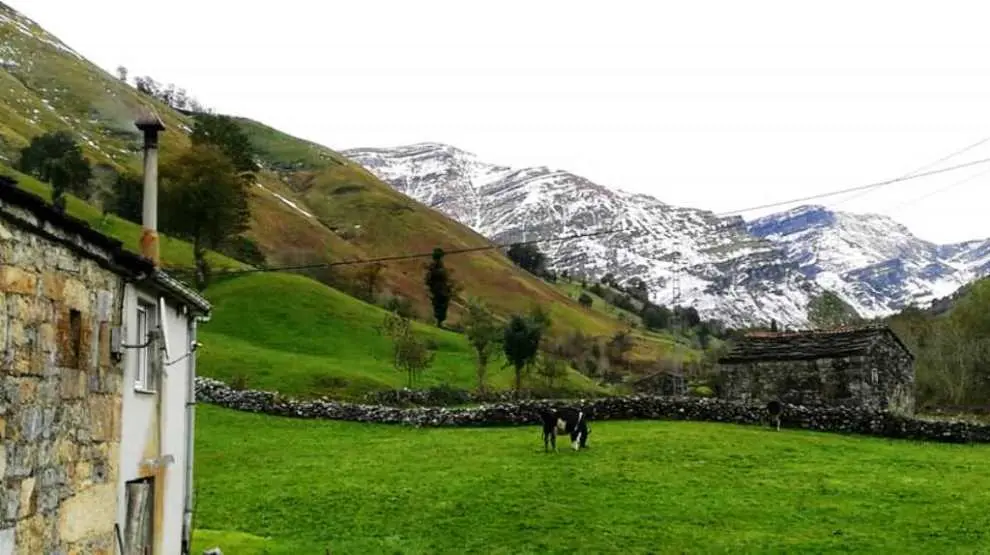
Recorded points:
(807, 345)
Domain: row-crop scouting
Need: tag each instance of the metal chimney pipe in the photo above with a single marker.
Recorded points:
(151, 125)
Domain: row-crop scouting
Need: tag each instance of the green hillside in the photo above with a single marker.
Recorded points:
(46, 86)
(304, 339)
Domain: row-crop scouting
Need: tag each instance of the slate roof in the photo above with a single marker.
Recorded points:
(123, 261)
(808, 345)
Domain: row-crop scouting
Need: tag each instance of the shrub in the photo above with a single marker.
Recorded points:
(239, 381)
(400, 305)
(702, 391)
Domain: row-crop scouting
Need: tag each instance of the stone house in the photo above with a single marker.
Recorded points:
(96, 389)
(866, 367)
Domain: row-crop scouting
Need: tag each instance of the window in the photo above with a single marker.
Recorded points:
(145, 372)
(75, 338)
(139, 526)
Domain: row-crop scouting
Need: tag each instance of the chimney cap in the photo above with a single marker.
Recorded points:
(148, 120)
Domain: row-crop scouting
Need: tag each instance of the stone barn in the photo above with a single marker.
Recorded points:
(866, 367)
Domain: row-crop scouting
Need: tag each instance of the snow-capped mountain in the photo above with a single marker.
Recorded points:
(743, 273)
(871, 261)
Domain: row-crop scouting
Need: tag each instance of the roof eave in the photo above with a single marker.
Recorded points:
(181, 291)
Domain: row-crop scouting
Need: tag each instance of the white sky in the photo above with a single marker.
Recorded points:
(717, 105)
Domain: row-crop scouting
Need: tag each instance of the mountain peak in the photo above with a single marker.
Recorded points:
(770, 268)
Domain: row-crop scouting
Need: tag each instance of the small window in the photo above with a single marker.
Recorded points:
(75, 338)
(144, 376)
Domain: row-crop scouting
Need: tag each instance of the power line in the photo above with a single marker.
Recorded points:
(922, 168)
(402, 257)
(940, 190)
(852, 189)
(632, 232)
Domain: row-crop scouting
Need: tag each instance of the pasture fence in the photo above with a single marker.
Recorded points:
(848, 420)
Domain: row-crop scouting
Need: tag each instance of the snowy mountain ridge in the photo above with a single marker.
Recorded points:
(741, 272)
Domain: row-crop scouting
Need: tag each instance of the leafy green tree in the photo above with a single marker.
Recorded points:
(828, 310)
(586, 300)
(618, 347)
(224, 132)
(440, 286)
(540, 317)
(370, 278)
(126, 197)
(528, 257)
(521, 343)
(409, 354)
(244, 249)
(638, 290)
(552, 366)
(57, 159)
(484, 333)
(205, 201)
(656, 317)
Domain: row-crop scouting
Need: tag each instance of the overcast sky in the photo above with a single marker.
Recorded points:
(717, 105)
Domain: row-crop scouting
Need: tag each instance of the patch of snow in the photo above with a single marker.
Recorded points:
(287, 202)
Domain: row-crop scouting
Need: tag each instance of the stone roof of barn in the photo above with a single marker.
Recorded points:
(809, 344)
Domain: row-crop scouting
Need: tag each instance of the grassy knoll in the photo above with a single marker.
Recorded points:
(658, 487)
(292, 334)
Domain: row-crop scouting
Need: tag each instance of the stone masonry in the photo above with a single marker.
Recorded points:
(866, 367)
(60, 390)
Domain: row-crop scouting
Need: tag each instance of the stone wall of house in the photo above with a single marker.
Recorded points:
(60, 395)
(830, 381)
(636, 407)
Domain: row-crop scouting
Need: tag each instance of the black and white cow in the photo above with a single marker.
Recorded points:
(573, 422)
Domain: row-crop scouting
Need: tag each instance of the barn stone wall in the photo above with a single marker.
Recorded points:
(854, 420)
(60, 394)
(895, 370)
(883, 378)
(829, 381)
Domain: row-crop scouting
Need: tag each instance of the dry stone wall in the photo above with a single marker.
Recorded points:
(638, 407)
(60, 394)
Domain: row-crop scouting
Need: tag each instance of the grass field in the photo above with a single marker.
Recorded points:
(274, 485)
(323, 342)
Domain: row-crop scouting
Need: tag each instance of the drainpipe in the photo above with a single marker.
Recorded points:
(187, 514)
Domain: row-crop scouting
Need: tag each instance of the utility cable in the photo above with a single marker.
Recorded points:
(852, 189)
(631, 232)
(954, 184)
(921, 169)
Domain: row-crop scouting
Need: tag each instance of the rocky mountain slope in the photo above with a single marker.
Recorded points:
(743, 273)
(871, 261)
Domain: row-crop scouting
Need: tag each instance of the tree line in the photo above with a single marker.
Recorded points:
(952, 349)
(523, 341)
